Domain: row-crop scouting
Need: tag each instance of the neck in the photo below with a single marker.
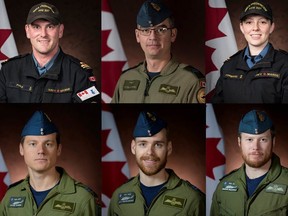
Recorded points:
(43, 181)
(255, 50)
(43, 59)
(156, 64)
(253, 173)
(154, 180)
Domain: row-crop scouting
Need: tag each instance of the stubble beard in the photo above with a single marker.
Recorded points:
(150, 171)
(257, 163)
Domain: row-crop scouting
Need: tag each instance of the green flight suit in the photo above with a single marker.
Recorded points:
(177, 197)
(177, 83)
(69, 197)
(269, 198)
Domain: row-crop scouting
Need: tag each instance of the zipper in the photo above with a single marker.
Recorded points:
(154, 200)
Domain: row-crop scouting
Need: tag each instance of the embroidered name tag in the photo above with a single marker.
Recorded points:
(17, 202)
(124, 198)
(229, 186)
(233, 76)
(131, 84)
(268, 74)
(21, 86)
(64, 206)
(64, 90)
(174, 201)
(168, 89)
(276, 188)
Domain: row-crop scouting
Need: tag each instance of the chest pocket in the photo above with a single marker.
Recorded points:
(20, 86)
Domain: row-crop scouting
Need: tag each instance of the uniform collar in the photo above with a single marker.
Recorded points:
(251, 61)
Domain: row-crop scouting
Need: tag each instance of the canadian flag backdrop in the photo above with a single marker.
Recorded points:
(114, 60)
(7, 43)
(4, 177)
(215, 155)
(115, 170)
(220, 41)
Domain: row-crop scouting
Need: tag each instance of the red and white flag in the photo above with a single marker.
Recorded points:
(113, 60)
(4, 177)
(7, 43)
(220, 42)
(115, 170)
(215, 155)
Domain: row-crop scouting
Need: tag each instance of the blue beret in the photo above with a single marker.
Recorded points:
(148, 124)
(151, 13)
(38, 125)
(255, 122)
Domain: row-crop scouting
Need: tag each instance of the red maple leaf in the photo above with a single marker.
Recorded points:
(111, 72)
(4, 34)
(105, 49)
(112, 176)
(3, 186)
(214, 157)
(104, 135)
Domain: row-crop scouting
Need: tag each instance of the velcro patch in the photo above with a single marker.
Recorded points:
(88, 93)
(229, 186)
(174, 201)
(268, 75)
(131, 85)
(276, 188)
(64, 206)
(168, 89)
(233, 76)
(124, 198)
(17, 202)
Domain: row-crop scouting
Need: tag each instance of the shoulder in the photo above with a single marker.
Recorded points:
(15, 59)
(233, 57)
(193, 187)
(18, 183)
(86, 189)
(131, 69)
(76, 63)
(230, 175)
(193, 70)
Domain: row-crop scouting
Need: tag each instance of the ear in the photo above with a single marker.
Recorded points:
(133, 146)
(173, 34)
(59, 149)
(137, 35)
(27, 31)
(239, 141)
(61, 30)
(241, 28)
(21, 150)
(273, 142)
(170, 148)
(272, 28)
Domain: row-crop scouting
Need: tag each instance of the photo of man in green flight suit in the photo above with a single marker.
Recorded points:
(259, 186)
(48, 189)
(156, 190)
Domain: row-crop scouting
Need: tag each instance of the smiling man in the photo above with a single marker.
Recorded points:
(258, 73)
(259, 187)
(160, 78)
(156, 190)
(48, 189)
(47, 75)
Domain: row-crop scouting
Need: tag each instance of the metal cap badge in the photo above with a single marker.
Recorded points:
(148, 124)
(38, 125)
(255, 122)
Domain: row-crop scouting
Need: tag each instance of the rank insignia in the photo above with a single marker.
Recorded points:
(84, 65)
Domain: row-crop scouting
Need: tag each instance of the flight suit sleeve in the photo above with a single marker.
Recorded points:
(112, 206)
(197, 93)
(92, 208)
(199, 208)
(285, 87)
(116, 95)
(214, 210)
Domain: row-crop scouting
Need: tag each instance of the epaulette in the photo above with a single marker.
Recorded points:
(194, 71)
(14, 58)
(15, 184)
(132, 67)
(80, 63)
(228, 174)
(232, 56)
(87, 189)
(194, 188)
